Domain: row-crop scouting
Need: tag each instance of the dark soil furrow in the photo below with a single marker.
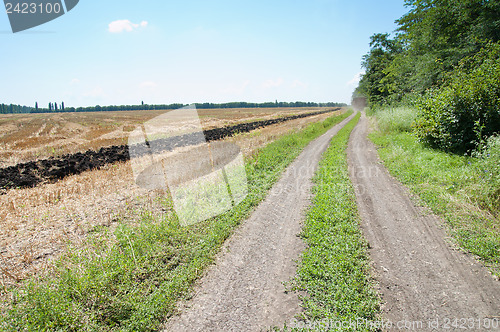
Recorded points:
(33, 173)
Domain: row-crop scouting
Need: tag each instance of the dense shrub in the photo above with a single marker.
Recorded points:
(466, 111)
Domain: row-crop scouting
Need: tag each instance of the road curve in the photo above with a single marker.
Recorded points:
(244, 290)
(422, 278)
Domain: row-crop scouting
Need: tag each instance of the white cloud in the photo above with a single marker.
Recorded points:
(74, 81)
(125, 25)
(273, 83)
(355, 80)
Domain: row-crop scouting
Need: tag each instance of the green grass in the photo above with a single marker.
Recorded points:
(399, 119)
(131, 280)
(334, 269)
(460, 189)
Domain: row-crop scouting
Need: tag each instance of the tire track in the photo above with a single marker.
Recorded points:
(243, 291)
(422, 279)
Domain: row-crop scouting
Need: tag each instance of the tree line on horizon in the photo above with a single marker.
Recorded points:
(55, 108)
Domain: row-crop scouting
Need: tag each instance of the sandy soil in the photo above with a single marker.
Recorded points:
(422, 277)
(244, 290)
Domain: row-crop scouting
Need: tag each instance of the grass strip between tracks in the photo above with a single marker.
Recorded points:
(131, 280)
(334, 269)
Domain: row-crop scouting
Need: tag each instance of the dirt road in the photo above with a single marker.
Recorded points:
(422, 278)
(244, 290)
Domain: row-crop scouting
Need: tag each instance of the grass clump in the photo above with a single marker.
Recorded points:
(334, 269)
(462, 189)
(132, 279)
(489, 170)
(400, 119)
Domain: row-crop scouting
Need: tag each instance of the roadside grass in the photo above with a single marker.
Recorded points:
(334, 269)
(131, 279)
(461, 189)
(398, 119)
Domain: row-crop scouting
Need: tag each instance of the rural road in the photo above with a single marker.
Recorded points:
(243, 291)
(421, 277)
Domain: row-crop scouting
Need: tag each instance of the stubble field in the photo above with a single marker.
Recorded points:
(38, 224)
(27, 137)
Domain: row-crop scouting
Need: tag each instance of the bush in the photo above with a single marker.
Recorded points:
(466, 110)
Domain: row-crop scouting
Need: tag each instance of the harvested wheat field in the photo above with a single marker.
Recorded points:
(27, 137)
(38, 224)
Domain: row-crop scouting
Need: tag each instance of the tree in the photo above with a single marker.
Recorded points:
(62, 106)
(376, 84)
(55, 107)
(431, 40)
(437, 34)
(50, 106)
(36, 106)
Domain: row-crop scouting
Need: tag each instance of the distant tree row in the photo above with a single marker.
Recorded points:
(267, 105)
(55, 108)
(13, 109)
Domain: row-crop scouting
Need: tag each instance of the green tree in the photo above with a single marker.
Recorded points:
(436, 35)
(376, 84)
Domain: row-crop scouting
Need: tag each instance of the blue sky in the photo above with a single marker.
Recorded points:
(117, 52)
